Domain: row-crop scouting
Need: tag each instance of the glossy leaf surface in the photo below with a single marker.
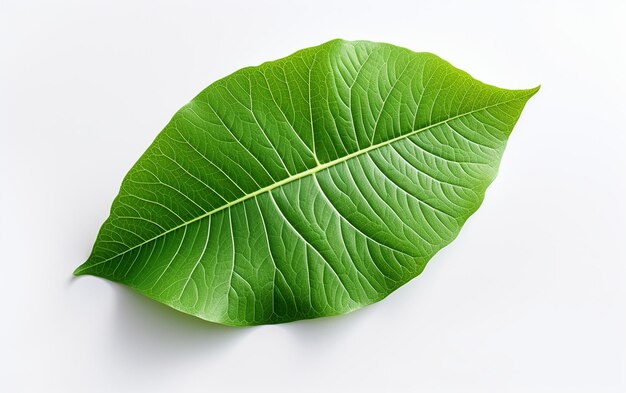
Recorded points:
(308, 186)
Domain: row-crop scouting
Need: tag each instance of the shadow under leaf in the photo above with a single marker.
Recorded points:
(151, 332)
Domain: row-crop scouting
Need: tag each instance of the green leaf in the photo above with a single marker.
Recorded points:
(308, 186)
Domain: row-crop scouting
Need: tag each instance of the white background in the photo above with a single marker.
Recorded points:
(531, 297)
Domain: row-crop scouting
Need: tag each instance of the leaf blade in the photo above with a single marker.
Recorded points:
(345, 158)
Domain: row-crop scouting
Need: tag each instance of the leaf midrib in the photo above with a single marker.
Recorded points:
(298, 176)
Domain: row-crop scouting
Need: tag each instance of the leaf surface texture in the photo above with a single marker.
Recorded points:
(308, 186)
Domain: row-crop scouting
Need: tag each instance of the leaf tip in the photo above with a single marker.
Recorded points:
(534, 90)
(526, 94)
